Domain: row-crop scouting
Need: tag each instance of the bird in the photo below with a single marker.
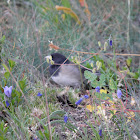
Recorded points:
(67, 74)
(64, 72)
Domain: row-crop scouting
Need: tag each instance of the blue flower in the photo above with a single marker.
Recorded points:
(8, 91)
(39, 94)
(79, 101)
(110, 42)
(119, 93)
(86, 96)
(7, 103)
(65, 118)
(97, 89)
(100, 132)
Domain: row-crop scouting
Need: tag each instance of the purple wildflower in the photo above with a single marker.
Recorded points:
(97, 89)
(86, 96)
(65, 118)
(100, 132)
(119, 93)
(7, 103)
(110, 42)
(79, 101)
(39, 94)
(8, 91)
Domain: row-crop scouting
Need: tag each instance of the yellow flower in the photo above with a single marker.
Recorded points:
(103, 91)
(131, 115)
(114, 111)
(90, 108)
(111, 101)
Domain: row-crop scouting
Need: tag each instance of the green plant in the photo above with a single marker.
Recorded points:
(108, 28)
(3, 130)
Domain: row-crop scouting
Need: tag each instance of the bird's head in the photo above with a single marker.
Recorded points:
(57, 58)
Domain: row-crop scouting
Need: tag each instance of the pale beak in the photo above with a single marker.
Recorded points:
(49, 60)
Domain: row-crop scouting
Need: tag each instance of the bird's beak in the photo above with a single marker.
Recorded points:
(49, 60)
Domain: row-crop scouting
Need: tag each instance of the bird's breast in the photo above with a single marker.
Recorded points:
(68, 76)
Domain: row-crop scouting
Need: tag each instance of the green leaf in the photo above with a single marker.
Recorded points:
(13, 101)
(22, 83)
(94, 131)
(103, 65)
(110, 96)
(2, 125)
(95, 84)
(66, 3)
(103, 96)
(46, 132)
(5, 130)
(2, 39)
(13, 93)
(19, 99)
(100, 96)
(41, 134)
(87, 75)
(128, 62)
(88, 65)
(2, 96)
(11, 63)
(101, 82)
(6, 68)
(90, 76)
(102, 77)
(136, 75)
(18, 93)
(6, 75)
(112, 84)
(131, 74)
(1, 88)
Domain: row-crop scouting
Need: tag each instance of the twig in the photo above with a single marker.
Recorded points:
(110, 54)
(47, 107)
(99, 53)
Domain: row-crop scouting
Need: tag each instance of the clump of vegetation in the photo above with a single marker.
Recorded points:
(100, 35)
